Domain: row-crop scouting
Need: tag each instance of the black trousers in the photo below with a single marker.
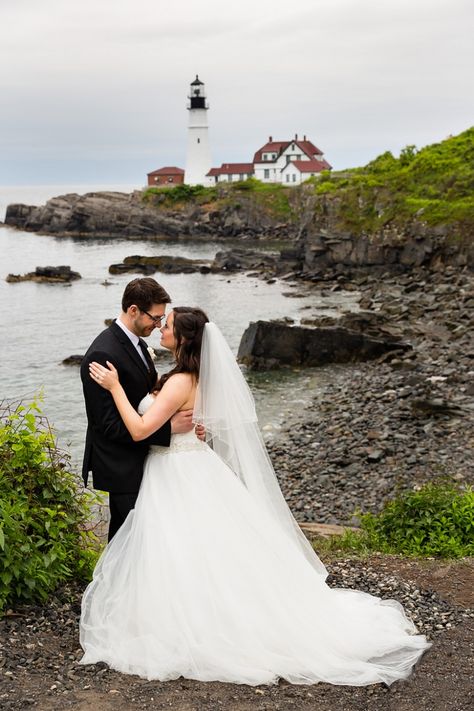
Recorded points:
(120, 506)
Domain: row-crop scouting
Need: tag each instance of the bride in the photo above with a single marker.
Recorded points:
(210, 577)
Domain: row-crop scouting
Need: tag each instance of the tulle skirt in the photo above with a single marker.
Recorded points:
(200, 583)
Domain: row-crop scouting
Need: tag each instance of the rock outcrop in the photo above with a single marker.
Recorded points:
(101, 213)
(269, 344)
(161, 263)
(231, 260)
(48, 275)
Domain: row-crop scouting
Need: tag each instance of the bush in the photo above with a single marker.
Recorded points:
(435, 520)
(179, 193)
(43, 514)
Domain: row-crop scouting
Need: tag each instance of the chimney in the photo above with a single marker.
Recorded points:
(296, 136)
(270, 139)
(304, 138)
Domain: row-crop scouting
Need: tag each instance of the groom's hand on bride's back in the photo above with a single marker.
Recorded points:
(200, 432)
(182, 422)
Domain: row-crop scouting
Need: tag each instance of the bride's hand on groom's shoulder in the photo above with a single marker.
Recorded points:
(105, 377)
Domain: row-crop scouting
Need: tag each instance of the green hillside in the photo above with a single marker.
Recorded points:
(434, 184)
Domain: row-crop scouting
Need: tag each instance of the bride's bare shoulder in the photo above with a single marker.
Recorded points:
(179, 380)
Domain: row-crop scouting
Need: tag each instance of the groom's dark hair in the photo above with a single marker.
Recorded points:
(143, 293)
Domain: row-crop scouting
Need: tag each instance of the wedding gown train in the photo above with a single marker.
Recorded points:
(199, 582)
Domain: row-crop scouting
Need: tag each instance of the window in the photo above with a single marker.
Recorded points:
(287, 178)
(241, 176)
(229, 178)
(170, 179)
(294, 177)
(274, 155)
(199, 140)
(266, 174)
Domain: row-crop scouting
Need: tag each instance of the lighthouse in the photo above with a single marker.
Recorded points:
(198, 155)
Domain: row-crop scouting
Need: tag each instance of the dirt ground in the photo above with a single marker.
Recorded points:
(52, 680)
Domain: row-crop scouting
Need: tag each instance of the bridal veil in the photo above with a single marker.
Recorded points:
(226, 408)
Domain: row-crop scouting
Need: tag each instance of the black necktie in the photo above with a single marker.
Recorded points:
(146, 355)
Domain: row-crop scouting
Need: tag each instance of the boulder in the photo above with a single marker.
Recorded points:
(269, 344)
(73, 360)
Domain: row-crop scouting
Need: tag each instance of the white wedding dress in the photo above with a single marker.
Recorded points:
(201, 582)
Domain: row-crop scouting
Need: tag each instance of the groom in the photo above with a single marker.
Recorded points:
(115, 460)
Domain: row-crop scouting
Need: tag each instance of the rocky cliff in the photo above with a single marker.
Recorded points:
(324, 242)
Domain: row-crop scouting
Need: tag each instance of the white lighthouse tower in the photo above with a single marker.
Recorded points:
(198, 155)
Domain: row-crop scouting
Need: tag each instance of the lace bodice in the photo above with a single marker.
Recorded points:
(179, 442)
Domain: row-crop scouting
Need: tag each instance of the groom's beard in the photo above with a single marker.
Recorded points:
(141, 329)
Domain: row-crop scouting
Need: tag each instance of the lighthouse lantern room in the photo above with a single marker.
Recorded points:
(198, 155)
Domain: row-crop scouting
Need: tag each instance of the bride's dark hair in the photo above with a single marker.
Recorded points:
(188, 329)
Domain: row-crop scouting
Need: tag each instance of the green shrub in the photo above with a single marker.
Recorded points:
(44, 539)
(250, 185)
(179, 193)
(435, 520)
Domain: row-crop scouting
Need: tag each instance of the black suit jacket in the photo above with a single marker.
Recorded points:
(115, 460)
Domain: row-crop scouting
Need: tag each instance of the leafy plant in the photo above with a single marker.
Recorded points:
(45, 532)
(435, 520)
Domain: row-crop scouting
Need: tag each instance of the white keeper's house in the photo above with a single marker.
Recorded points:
(289, 162)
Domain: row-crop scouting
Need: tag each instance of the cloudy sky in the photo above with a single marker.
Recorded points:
(95, 90)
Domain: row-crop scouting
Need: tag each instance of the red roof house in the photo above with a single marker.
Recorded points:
(231, 172)
(169, 175)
